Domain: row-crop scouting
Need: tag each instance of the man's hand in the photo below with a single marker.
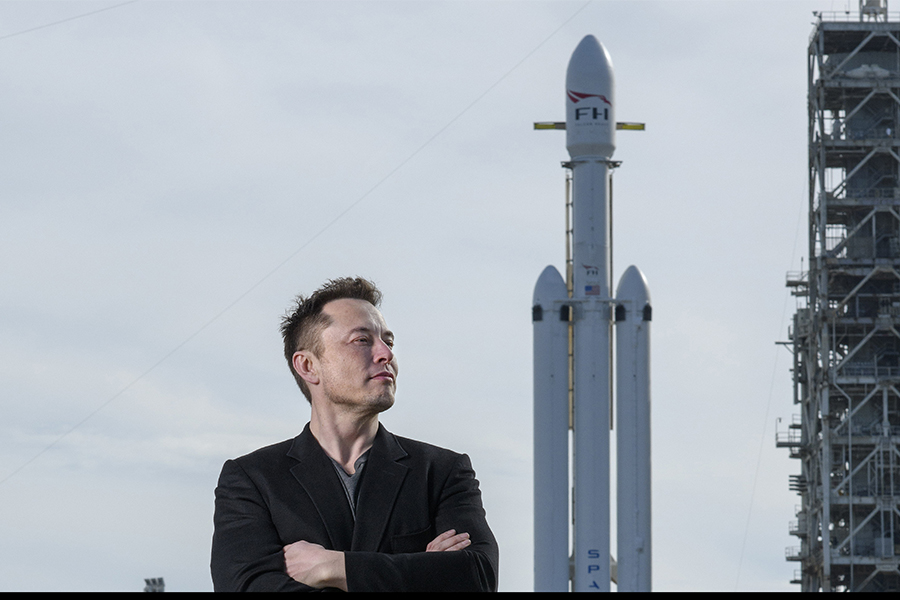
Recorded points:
(315, 566)
(448, 541)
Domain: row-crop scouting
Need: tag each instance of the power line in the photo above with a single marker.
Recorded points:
(315, 236)
(768, 406)
(81, 16)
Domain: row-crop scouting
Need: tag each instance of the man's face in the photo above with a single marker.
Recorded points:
(357, 367)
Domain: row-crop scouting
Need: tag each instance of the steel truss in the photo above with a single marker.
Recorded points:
(846, 340)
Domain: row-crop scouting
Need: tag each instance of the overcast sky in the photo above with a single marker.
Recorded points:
(173, 173)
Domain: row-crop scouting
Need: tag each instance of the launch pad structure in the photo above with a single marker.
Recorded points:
(846, 339)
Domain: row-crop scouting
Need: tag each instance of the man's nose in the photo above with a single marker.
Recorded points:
(383, 352)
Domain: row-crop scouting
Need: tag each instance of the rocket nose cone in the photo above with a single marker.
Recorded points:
(550, 287)
(633, 286)
(590, 101)
(590, 62)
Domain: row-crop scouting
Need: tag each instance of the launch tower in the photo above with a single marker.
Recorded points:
(846, 340)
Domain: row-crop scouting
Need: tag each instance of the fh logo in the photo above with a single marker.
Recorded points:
(592, 112)
(591, 270)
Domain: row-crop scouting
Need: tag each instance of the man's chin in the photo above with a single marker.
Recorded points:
(382, 403)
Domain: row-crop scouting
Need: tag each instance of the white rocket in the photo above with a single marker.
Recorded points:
(633, 316)
(590, 139)
(551, 432)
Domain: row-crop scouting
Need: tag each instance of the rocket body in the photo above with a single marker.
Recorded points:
(590, 140)
(551, 432)
(633, 315)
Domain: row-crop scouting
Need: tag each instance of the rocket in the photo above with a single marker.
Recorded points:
(590, 140)
(633, 315)
(549, 314)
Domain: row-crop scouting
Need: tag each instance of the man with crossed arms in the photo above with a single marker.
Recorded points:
(346, 504)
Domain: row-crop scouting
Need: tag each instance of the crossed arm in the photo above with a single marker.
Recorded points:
(313, 565)
(248, 550)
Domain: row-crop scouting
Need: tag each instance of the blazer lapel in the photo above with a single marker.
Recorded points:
(315, 473)
(380, 485)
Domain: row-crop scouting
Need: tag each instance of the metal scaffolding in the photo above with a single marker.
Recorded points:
(846, 335)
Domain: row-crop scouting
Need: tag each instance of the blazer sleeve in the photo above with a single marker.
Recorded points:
(471, 570)
(247, 553)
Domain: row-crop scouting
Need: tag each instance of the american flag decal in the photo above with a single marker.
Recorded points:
(592, 290)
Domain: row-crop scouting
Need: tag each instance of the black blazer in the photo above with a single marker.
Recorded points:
(409, 493)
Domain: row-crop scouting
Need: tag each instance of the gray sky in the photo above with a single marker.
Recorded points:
(172, 174)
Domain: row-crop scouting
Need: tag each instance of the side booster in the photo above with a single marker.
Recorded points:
(633, 316)
(549, 314)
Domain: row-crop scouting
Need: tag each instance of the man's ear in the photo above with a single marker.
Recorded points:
(305, 364)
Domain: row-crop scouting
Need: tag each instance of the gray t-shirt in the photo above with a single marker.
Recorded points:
(351, 482)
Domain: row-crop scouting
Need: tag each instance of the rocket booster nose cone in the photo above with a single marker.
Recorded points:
(590, 63)
(590, 101)
(633, 287)
(550, 287)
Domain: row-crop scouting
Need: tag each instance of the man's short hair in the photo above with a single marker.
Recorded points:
(301, 326)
